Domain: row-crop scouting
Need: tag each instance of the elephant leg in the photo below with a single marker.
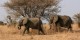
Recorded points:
(27, 30)
(39, 31)
(70, 29)
(24, 31)
(55, 28)
(58, 28)
(42, 31)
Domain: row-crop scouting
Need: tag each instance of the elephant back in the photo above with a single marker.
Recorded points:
(34, 20)
(65, 19)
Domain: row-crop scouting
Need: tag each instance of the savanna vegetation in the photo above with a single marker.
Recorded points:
(18, 10)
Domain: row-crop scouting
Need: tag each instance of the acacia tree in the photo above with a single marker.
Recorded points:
(77, 18)
(30, 7)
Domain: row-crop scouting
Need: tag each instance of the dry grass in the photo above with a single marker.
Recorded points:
(12, 33)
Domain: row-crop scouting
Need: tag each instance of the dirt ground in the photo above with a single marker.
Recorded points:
(11, 33)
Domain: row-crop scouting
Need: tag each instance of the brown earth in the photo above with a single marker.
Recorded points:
(11, 33)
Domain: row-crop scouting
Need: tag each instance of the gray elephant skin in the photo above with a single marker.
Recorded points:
(61, 21)
(34, 23)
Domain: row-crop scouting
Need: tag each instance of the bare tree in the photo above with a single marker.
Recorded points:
(77, 18)
(30, 7)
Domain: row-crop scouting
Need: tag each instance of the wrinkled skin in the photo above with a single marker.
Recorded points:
(61, 21)
(34, 23)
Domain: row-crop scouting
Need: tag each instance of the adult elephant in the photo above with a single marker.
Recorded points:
(61, 21)
(34, 23)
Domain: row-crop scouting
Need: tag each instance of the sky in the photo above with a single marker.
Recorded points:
(68, 7)
(3, 12)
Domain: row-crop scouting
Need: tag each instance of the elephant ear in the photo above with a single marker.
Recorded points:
(25, 19)
(55, 18)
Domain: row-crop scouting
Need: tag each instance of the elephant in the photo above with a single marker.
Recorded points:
(61, 21)
(34, 23)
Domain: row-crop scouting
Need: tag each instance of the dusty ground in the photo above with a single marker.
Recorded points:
(12, 33)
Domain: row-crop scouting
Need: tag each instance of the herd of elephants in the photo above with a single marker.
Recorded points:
(36, 23)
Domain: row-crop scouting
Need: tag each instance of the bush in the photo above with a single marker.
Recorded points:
(1, 23)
